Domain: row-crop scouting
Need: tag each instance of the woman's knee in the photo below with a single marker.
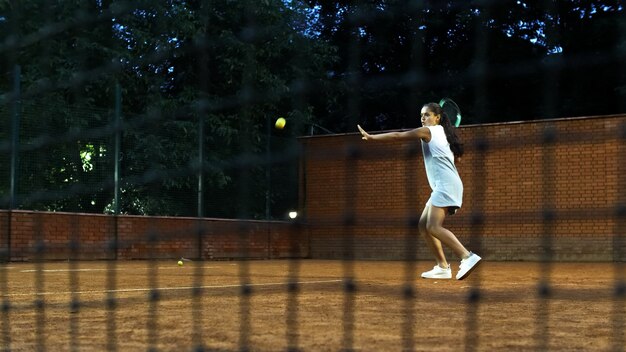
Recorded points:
(432, 228)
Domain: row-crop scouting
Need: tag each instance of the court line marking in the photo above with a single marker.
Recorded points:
(103, 269)
(63, 270)
(193, 267)
(123, 290)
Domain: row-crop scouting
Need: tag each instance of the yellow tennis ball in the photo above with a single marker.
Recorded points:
(180, 263)
(280, 123)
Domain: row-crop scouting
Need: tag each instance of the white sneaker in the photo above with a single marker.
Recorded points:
(438, 273)
(467, 266)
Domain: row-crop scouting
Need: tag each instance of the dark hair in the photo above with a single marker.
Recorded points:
(455, 143)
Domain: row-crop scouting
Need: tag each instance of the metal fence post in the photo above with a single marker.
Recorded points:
(200, 165)
(118, 132)
(15, 135)
(116, 172)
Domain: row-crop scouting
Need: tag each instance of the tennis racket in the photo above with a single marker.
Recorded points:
(452, 110)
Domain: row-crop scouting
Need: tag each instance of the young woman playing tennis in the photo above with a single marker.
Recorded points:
(440, 146)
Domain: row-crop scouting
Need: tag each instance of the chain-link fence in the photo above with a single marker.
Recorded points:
(168, 108)
(76, 158)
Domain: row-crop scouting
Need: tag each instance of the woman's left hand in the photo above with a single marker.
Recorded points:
(364, 134)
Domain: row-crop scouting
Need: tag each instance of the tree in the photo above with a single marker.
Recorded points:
(231, 65)
(61, 55)
(502, 60)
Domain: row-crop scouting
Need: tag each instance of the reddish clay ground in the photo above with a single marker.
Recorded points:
(582, 312)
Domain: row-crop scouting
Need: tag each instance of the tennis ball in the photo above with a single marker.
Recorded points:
(180, 263)
(280, 123)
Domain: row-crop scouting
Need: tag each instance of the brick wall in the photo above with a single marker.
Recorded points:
(27, 235)
(554, 187)
(533, 190)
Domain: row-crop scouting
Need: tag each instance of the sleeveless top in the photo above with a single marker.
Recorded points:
(444, 179)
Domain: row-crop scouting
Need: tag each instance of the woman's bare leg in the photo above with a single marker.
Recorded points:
(432, 242)
(434, 228)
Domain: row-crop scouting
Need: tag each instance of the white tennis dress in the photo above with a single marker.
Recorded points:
(444, 179)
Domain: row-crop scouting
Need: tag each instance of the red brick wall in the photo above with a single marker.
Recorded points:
(26, 235)
(362, 198)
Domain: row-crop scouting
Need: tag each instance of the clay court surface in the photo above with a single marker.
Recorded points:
(581, 313)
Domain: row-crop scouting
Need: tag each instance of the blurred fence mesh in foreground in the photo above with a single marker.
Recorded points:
(200, 141)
